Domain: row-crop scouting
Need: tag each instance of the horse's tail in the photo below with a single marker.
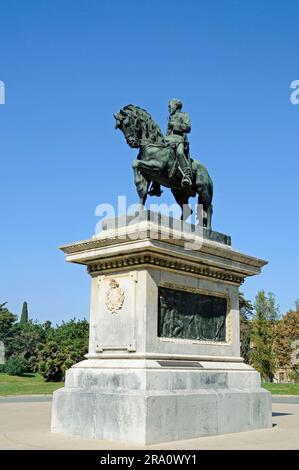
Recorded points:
(210, 187)
(203, 181)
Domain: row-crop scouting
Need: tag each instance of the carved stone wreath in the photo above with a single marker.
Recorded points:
(115, 297)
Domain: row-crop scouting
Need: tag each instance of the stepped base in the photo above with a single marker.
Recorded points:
(149, 404)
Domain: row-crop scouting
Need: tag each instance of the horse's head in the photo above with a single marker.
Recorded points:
(127, 121)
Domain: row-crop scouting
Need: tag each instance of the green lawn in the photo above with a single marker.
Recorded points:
(282, 389)
(34, 384)
(29, 384)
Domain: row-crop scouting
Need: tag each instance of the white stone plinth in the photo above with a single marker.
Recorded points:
(137, 385)
(144, 402)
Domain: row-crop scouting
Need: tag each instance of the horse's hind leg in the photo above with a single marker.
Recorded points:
(209, 217)
(182, 199)
(204, 211)
(143, 199)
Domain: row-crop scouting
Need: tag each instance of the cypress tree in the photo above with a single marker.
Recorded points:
(24, 316)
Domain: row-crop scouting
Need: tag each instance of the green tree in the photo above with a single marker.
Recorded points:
(266, 315)
(20, 339)
(24, 315)
(246, 310)
(51, 350)
(26, 340)
(7, 320)
(287, 332)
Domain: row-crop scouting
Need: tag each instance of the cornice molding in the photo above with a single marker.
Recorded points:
(155, 260)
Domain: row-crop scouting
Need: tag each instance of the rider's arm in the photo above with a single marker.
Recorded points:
(188, 124)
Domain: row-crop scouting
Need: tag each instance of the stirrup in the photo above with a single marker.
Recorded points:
(186, 182)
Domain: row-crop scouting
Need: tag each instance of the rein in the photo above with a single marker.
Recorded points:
(146, 143)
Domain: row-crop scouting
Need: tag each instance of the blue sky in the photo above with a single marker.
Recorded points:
(69, 65)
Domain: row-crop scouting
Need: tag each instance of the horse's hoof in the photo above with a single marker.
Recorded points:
(154, 193)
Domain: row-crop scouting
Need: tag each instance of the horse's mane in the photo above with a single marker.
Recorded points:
(150, 129)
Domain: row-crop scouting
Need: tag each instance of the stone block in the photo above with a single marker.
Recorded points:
(145, 383)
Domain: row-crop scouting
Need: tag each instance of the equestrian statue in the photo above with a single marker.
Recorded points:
(165, 160)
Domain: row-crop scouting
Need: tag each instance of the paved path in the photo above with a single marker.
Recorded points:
(41, 398)
(25, 399)
(285, 399)
(25, 424)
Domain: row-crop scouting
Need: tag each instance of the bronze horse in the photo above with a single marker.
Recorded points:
(156, 163)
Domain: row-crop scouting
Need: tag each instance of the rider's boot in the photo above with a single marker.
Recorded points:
(155, 189)
(186, 180)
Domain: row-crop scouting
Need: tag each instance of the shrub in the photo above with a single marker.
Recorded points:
(294, 375)
(32, 364)
(25, 340)
(65, 346)
(55, 359)
(50, 362)
(15, 365)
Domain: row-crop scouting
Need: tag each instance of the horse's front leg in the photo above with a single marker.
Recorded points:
(135, 167)
(142, 200)
(140, 182)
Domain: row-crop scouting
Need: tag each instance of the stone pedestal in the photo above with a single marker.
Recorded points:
(164, 352)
